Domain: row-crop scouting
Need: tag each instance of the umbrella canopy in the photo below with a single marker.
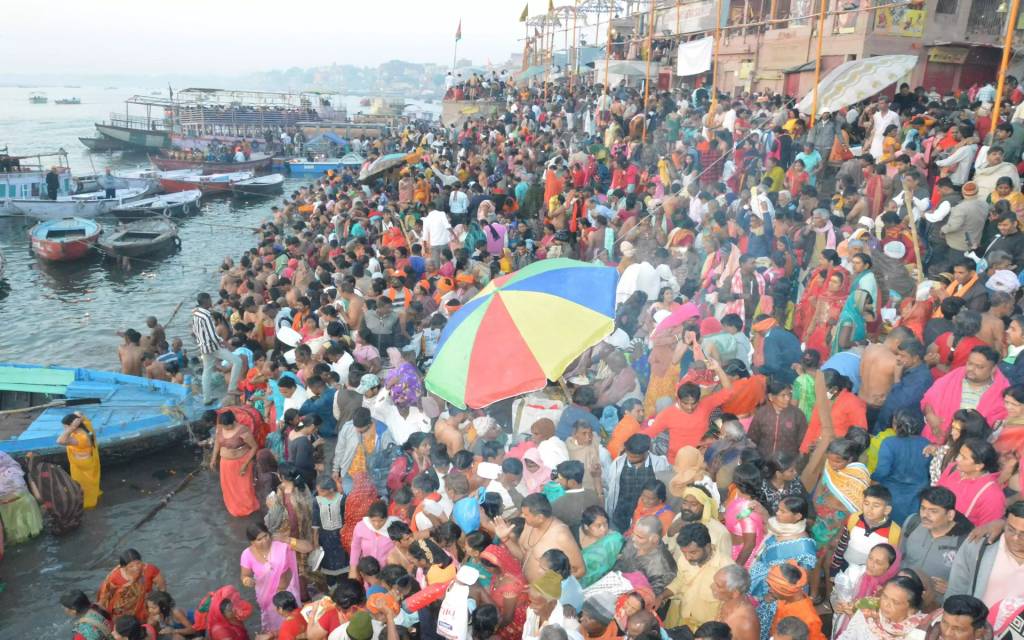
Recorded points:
(382, 164)
(522, 330)
(352, 159)
(856, 80)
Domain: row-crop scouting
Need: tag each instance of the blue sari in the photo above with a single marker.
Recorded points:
(772, 553)
(852, 313)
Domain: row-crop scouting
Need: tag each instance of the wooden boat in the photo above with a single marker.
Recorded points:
(257, 163)
(90, 183)
(85, 205)
(67, 101)
(208, 184)
(64, 240)
(314, 167)
(102, 144)
(141, 238)
(131, 415)
(179, 203)
(260, 186)
(38, 97)
(135, 138)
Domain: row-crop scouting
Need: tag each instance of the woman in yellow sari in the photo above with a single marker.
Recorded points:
(83, 456)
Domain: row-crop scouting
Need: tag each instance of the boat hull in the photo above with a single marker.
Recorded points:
(168, 205)
(298, 168)
(170, 185)
(135, 138)
(258, 187)
(102, 144)
(134, 417)
(144, 238)
(170, 164)
(64, 251)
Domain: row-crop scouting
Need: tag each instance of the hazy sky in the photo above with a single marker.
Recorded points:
(239, 36)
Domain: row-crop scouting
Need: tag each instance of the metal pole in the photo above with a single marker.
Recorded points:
(817, 61)
(650, 54)
(1011, 24)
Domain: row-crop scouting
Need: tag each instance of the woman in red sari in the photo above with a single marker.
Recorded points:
(508, 591)
(227, 614)
(123, 592)
(950, 349)
(817, 284)
(828, 304)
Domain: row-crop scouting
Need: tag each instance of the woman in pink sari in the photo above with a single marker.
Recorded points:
(535, 473)
(268, 566)
(744, 517)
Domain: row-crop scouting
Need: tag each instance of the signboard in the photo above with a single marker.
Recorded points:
(947, 55)
(900, 21)
(693, 17)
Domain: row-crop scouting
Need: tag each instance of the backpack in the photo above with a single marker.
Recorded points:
(379, 462)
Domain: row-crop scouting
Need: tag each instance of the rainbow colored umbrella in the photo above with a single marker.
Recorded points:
(522, 330)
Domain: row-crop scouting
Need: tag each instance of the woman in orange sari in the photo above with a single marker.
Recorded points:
(123, 592)
(652, 503)
(828, 304)
(235, 448)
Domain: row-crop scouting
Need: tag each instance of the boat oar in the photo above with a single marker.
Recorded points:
(68, 402)
(171, 319)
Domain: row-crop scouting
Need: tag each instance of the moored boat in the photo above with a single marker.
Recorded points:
(102, 144)
(258, 162)
(314, 167)
(208, 184)
(179, 203)
(67, 101)
(130, 415)
(64, 240)
(141, 238)
(38, 97)
(85, 205)
(260, 186)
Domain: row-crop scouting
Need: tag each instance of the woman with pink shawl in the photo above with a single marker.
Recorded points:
(855, 586)
(269, 566)
(535, 473)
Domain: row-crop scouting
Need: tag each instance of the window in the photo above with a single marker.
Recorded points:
(946, 6)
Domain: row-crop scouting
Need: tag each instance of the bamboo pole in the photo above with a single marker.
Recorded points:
(650, 54)
(714, 59)
(608, 54)
(817, 61)
(575, 47)
(1011, 24)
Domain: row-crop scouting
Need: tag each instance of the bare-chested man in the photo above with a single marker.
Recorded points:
(156, 334)
(153, 368)
(878, 370)
(542, 532)
(448, 433)
(730, 586)
(353, 306)
(130, 353)
(993, 321)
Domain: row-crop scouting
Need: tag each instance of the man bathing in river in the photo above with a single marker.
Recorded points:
(130, 353)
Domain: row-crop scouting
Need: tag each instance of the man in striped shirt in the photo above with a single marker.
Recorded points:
(204, 330)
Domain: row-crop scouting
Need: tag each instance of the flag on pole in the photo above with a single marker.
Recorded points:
(458, 32)
(551, 6)
(526, 13)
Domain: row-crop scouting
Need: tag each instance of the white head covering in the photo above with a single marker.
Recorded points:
(1003, 280)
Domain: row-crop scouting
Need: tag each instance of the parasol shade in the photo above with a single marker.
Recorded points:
(382, 164)
(522, 330)
(856, 80)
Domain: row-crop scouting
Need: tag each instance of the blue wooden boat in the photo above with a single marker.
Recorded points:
(132, 416)
(314, 168)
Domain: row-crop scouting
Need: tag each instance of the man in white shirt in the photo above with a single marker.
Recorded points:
(294, 395)
(962, 158)
(880, 121)
(437, 233)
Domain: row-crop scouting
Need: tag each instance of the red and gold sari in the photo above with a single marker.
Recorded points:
(123, 598)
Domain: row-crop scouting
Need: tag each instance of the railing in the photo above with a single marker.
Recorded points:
(138, 122)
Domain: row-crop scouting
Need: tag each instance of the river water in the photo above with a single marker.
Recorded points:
(67, 314)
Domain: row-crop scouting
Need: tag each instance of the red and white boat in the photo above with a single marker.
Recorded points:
(257, 162)
(64, 240)
(208, 184)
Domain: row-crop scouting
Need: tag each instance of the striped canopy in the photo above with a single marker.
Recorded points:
(522, 330)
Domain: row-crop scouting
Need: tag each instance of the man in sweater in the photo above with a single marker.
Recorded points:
(932, 537)
(965, 224)
(992, 572)
(569, 508)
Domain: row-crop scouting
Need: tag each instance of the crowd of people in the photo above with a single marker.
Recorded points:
(808, 420)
